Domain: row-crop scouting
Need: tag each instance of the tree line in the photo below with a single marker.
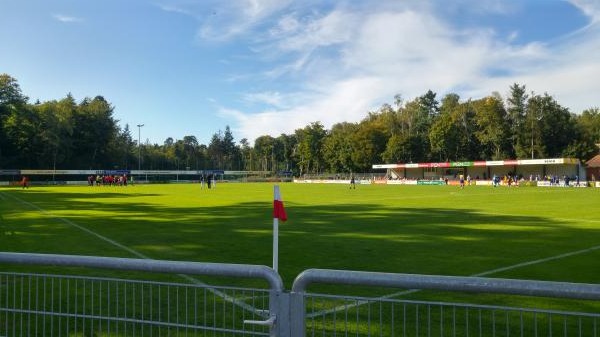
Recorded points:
(66, 134)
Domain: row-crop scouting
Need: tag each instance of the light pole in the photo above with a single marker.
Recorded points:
(139, 147)
(532, 138)
(534, 119)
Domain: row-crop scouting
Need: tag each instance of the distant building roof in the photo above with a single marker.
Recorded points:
(508, 162)
(594, 162)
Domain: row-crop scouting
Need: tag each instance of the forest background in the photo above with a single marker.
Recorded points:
(67, 134)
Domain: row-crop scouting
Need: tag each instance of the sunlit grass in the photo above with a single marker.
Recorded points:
(408, 229)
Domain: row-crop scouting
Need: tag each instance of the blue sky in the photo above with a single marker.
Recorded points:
(266, 67)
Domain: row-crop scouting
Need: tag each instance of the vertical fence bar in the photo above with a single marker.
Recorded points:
(29, 308)
(404, 320)
(21, 314)
(441, 321)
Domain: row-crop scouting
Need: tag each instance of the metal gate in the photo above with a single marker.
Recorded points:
(66, 305)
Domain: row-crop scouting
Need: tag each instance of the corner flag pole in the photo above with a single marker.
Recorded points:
(278, 214)
(275, 244)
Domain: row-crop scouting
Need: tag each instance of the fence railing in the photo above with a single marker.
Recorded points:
(331, 315)
(65, 305)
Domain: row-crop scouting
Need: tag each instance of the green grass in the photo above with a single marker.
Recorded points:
(402, 229)
(399, 229)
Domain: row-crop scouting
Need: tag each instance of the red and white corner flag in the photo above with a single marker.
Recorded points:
(278, 209)
(278, 214)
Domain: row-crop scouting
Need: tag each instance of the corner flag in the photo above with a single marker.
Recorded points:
(278, 209)
(278, 214)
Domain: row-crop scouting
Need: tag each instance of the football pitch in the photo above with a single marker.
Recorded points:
(526, 233)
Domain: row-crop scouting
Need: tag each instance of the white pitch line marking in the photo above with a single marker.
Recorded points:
(529, 263)
(485, 273)
(140, 255)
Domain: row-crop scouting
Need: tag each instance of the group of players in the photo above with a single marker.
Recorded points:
(108, 180)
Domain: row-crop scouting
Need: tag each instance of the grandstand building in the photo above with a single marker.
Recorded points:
(483, 171)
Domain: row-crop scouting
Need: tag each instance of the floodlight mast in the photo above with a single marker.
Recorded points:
(533, 119)
(139, 147)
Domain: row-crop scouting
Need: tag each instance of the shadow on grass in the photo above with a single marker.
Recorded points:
(365, 236)
(358, 236)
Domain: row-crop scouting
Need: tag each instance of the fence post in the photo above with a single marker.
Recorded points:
(281, 305)
(297, 314)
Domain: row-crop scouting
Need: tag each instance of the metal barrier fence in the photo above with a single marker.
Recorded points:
(63, 305)
(329, 315)
(359, 316)
(58, 305)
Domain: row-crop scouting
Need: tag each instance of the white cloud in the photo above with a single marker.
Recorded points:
(225, 20)
(254, 9)
(571, 73)
(348, 62)
(177, 9)
(590, 8)
(286, 25)
(66, 18)
(481, 6)
(235, 18)
(334, 28)
(271, 98)
(347, 101)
